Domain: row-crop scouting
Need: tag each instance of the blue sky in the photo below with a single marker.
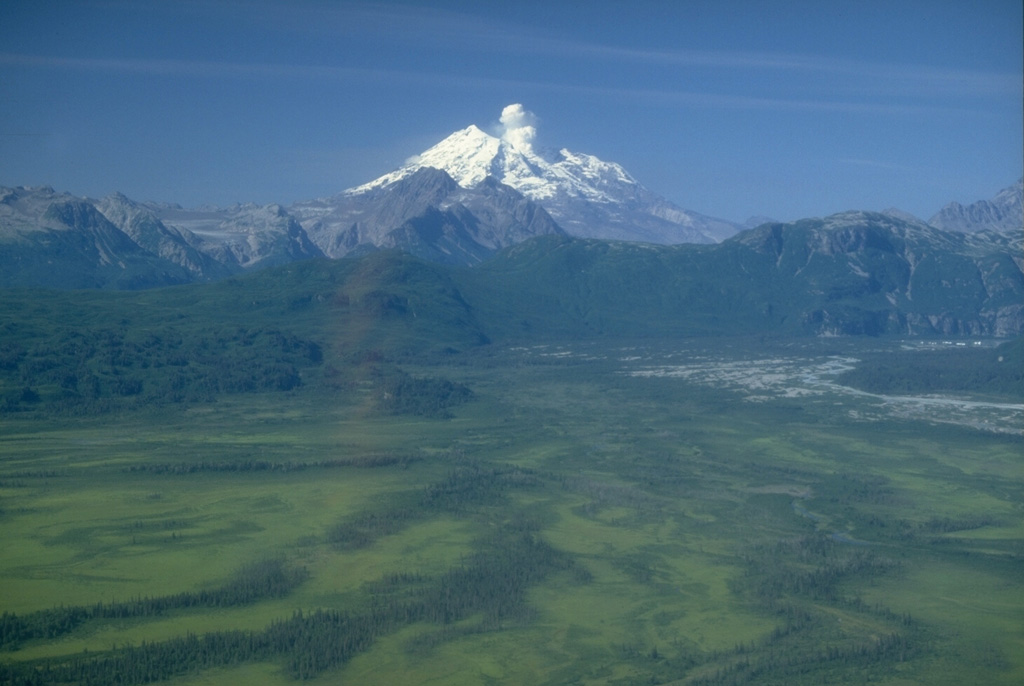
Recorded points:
(731, 108)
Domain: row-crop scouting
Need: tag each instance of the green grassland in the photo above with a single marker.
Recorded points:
(380, 471)
(563, 523)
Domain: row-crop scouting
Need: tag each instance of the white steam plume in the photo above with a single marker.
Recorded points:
(520, 127)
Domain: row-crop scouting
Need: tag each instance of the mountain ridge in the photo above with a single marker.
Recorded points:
(853, 273)
(58, 240)
(856, 273)
(1004, 212)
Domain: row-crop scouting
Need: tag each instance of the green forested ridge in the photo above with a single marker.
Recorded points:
(346, 324)
(350, 325)
(79, 351)
(805, 278)
(996, 371)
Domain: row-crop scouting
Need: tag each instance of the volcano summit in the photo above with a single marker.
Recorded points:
(584, 195)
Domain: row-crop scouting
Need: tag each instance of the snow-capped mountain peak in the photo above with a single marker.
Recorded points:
(586, 195)
(467, 155)
(471, 155)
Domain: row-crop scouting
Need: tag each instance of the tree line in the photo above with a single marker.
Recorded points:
(998, 371)
(490, 584)
(73, 371)
(360, 461)
(466, 486)
(270, 578)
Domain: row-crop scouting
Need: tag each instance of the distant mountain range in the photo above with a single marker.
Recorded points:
(478, 199)
(855, 273)
(458, 202)
(57, 240)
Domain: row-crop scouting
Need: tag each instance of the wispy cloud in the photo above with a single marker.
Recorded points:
(464, 31)
(852, 86)
(173, 67)
(400, 26)
(875, 164)
(923, 79)
(671, 97)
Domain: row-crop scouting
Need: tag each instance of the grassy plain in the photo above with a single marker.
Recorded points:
(698, 538)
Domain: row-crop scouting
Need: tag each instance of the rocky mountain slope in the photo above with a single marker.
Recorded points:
(865, 272)
(170, 243)
(56, 240)
(1004, 212)
(427, 214)
(241, 237)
